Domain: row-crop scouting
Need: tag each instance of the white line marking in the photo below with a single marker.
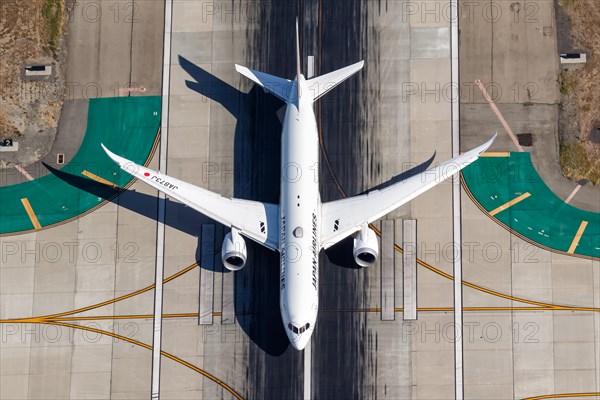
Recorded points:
(573, 193)
(310, 70)
(160, 233)
(456, 210)
(307, 371)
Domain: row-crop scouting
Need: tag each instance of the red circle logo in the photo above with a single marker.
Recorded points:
(146, 174)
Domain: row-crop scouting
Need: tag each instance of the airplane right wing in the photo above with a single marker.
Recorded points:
(344, 217)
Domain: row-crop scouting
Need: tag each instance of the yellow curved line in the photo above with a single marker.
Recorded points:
(124, 297)
(489, 291)
(148, 347)
(561, 395)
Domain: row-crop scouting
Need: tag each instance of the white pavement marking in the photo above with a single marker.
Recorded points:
(310, 70)
(307, 371)
(388, 266)
(207, 276)
(409, 268)
(26, 174)
(456, 210)
(160, 234)
(573, 193)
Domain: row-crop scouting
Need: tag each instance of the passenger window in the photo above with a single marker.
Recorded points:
(295, 330)
(302, 330)
(290, 326)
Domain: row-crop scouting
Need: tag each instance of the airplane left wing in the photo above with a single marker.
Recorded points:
(255, 220)
(344, 217)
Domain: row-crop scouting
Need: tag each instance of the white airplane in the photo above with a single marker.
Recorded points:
(300, 226)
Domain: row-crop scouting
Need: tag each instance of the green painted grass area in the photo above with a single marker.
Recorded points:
(126, 125)
(543, 217)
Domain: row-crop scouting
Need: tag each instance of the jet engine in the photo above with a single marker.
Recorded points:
(233, 251)
(366, 247)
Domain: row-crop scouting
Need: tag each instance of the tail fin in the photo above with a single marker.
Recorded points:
(324, 83)
(298, 63)
(298, 60)
(289, 91)
(284, 89)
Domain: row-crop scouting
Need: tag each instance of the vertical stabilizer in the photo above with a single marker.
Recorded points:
(298, 68)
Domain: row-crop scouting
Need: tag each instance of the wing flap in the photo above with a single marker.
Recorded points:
(255, 220)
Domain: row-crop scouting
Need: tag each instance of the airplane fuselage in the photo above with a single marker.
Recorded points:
(299, 225)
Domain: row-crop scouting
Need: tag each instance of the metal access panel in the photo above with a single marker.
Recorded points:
(409, 267)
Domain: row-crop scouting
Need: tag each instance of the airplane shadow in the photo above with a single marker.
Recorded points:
(256, 177)
(404, 175)
(257, 141)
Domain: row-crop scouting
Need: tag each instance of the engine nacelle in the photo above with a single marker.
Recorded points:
(233, 251)
(366, 247)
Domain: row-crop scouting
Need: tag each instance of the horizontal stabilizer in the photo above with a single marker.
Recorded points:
(284, 89)
(322, 84)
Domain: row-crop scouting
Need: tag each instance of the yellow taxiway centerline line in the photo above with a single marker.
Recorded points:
(577, 237)
(495, 154)
(98, 179)
(43, 320)
(32, 216)
(510, 203)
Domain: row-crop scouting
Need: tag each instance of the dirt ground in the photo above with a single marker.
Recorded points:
(580, 113)
(31, 33)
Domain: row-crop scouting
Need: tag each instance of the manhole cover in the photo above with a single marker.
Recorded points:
(525, 139)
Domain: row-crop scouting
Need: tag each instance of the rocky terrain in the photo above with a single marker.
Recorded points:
(580, 86)
(31, 32)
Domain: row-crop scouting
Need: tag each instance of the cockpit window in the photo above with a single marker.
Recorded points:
(298, 330)
(298, 232)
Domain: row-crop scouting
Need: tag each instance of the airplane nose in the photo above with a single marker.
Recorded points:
(299, 340)
(298, 334)
(301, 343)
